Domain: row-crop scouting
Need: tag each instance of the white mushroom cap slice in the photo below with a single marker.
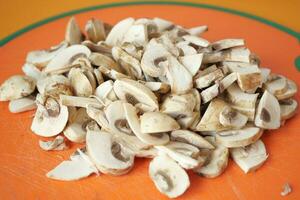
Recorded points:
(137, 34)
(268, 112)
(162, 24)
(192, 62)
(232, 118)
(32, 71)
(251, 157)
(197, 30)
(157, 122)
(57, 144)
(157, 87)
(227, 81)
(184, 148)
(134, 123)
(227, 43)
(291, 91)
(265, 72)
(168, 177)
(206, 80)
(80, 83)
(106, 153)
(75, 101)
(210, 93)
(196, 40)
(216, 162)
(102, 60)
(95, 30)
(277, 85)
(119, 30)
(22, 105)
(190, 121)
(190, 138)
(135, 93)
(105, 91)
(49, 82)
(288, 108)
(186, 48)
(51, 119)
(66, 57)
(98, 115)
(238, 54)
(16, 87)
(73, 34)
(239, 138)
(112, 74)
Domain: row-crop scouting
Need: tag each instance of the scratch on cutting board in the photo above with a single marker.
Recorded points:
(235, 190)
(23, 157)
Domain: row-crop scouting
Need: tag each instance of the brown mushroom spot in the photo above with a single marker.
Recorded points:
(163, 180)
(90, 125)
(131, 99)
(286, 102)
(157, 135)
(122, 125)
(116, 151)
(52, 107)
(265, 115)
(230, 114)
(159, 60)
(180, 139)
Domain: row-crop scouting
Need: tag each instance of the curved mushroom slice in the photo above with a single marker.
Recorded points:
(238, 54)
(196, 31)
(197, 97)
(112, 74)
(227, 43)
(136, 52)
(135, 93)
(147, 153)
(196, 40)
(137, 34)
(227, 81)
(184, 148)
(98, 115)
(73, 33)
(75, 101)
(100, 47)
(291, 91)
(159, 87)
(207, 79)
(130, 64)
(118, 32)
(168, 44)
(162, 24)
(190, 121)
(288, 108)
(32, 71)
(232, 118)
(210, 93)
(16, 87)
(168, 177)
(185, 49)
(50, 118)
(95, 30)
(102, 60)
(57, 144)
(251, 157)
(239, 138)
(216, 162)
(80, 83)
(277, 86)
(66, 57)
(192, 62)
(98, 75)
(157, 122)
(105, 91)
(268, 112)
(54, 85)
(107, 154)
(22, 105)
(133, 121)
(180, 79)
(190, 138)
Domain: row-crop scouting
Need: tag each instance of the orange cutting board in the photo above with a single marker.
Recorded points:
(23, 164)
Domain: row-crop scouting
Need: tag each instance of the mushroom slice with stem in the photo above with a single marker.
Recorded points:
(251, 157)
(95, 30)
(196, 40)
(107, 154)
(16, 87)
(73, 33)
(239, 138)
(105, 91)
(32, 71)
(231, 118)
(216, 162)
(207, 79)
(66, 57)
(102, 60)
(137, 34)
(96, 113)
(169, 178)
(57, 144)
(135, 93)
(198, 30)
(157, 122)
(192, 62)
(291, 91)
(227, 43)
(268, 112)
(78, 101)
(22, 105)
(100, 47)
(50, 118)
(277, 86)
(190, 137)
(134, 124)
(118, 31)
(227, 81)
(288, 108)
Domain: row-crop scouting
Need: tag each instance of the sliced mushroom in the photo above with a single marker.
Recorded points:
(136, 52)
(57, 144)
(135, 93)
(251, 157)
(137, 34)
(197, 30)
(96, 113)
(95, 30)
(192, 62)
(80, 83)
(277, 86)
(186, 49)
(216, 162)
(105, 91)
(239, 138)
(207, 79)
(190, 121)
(291, 91)
(102, 60)
(288, 108)
(22, 105)
(238, 54)
(196, 40)
(227, 43)
(107, 154)
(232, 118)
(268, 112)
(16, 87)
(168, 177)
(265, 73)
(32, 71)
(101, 47)
(190, 138)
(162, 24)
(184, 148)
(78, 101)
(112, 74)
(210, 93)
(227, 81)
(159, 87)
(73, 33)
(168, 44)
(157, 122)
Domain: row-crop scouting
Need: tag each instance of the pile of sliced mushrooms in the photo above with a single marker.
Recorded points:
(150, 88)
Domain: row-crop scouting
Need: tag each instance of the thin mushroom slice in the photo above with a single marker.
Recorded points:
(227, 43)
(277, 86)
(192, 62)
(134, 123)
(80, 83)
(288, 108)
(137, 34)
(54, 85)
(232, 118)
(73, 33)
(75, 101)
(95, 30)
(16, 87)
(100, 47)
(107, 154)
(184, 148)
(268, 112)
(216, 162)
(112, 74)
(196, 40)
(105, 91)
(102, 60)
(185, 49)
(169, 178)
(189, 122)
(239, 138)
(136, 52)
(210, 93)
(159, 87)
(198, 30)
(157, 122)
(238, 54)
(191, 137)
(22, 105)
(32, 71)
(57, 144)
(251, 157)
(135, 93)
(227, 81)
(207, 79)
(291, 91)
(97, 114)
(162, 24)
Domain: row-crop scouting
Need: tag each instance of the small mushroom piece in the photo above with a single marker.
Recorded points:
(100, 47)
(265, 73)
(66, 57)
(135, 93)
(168, 44)
(192, 62)
(231, 118)
(134, 124)
(268, 112)
(80, 83)
(227, 43)
(196, 40)
(180, 79)
(105, 91)
(286, 189)
(16, 87)
(168, 177)
(95, 30)
(291, 91)
(107, 154)
(190, 137)
(162, 24)
(97, 114)
(112, 74)
(159, 87)
(32, 71)
(118, 31)
(78, 101)
(216, 162)
(136, 52)
(184, 148)
(102, 60)
(196, 31)
(210, 93)
(251, 157)
(157, 122)
(207, 79)
(189, 122)
(239, 138)
(50, 118)
(73, 33)
(227, 81)
(186, 49)
(238, 54)
(288, 108)
(57, 144)
(22, 105)
(137, 34)
(277, 86)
